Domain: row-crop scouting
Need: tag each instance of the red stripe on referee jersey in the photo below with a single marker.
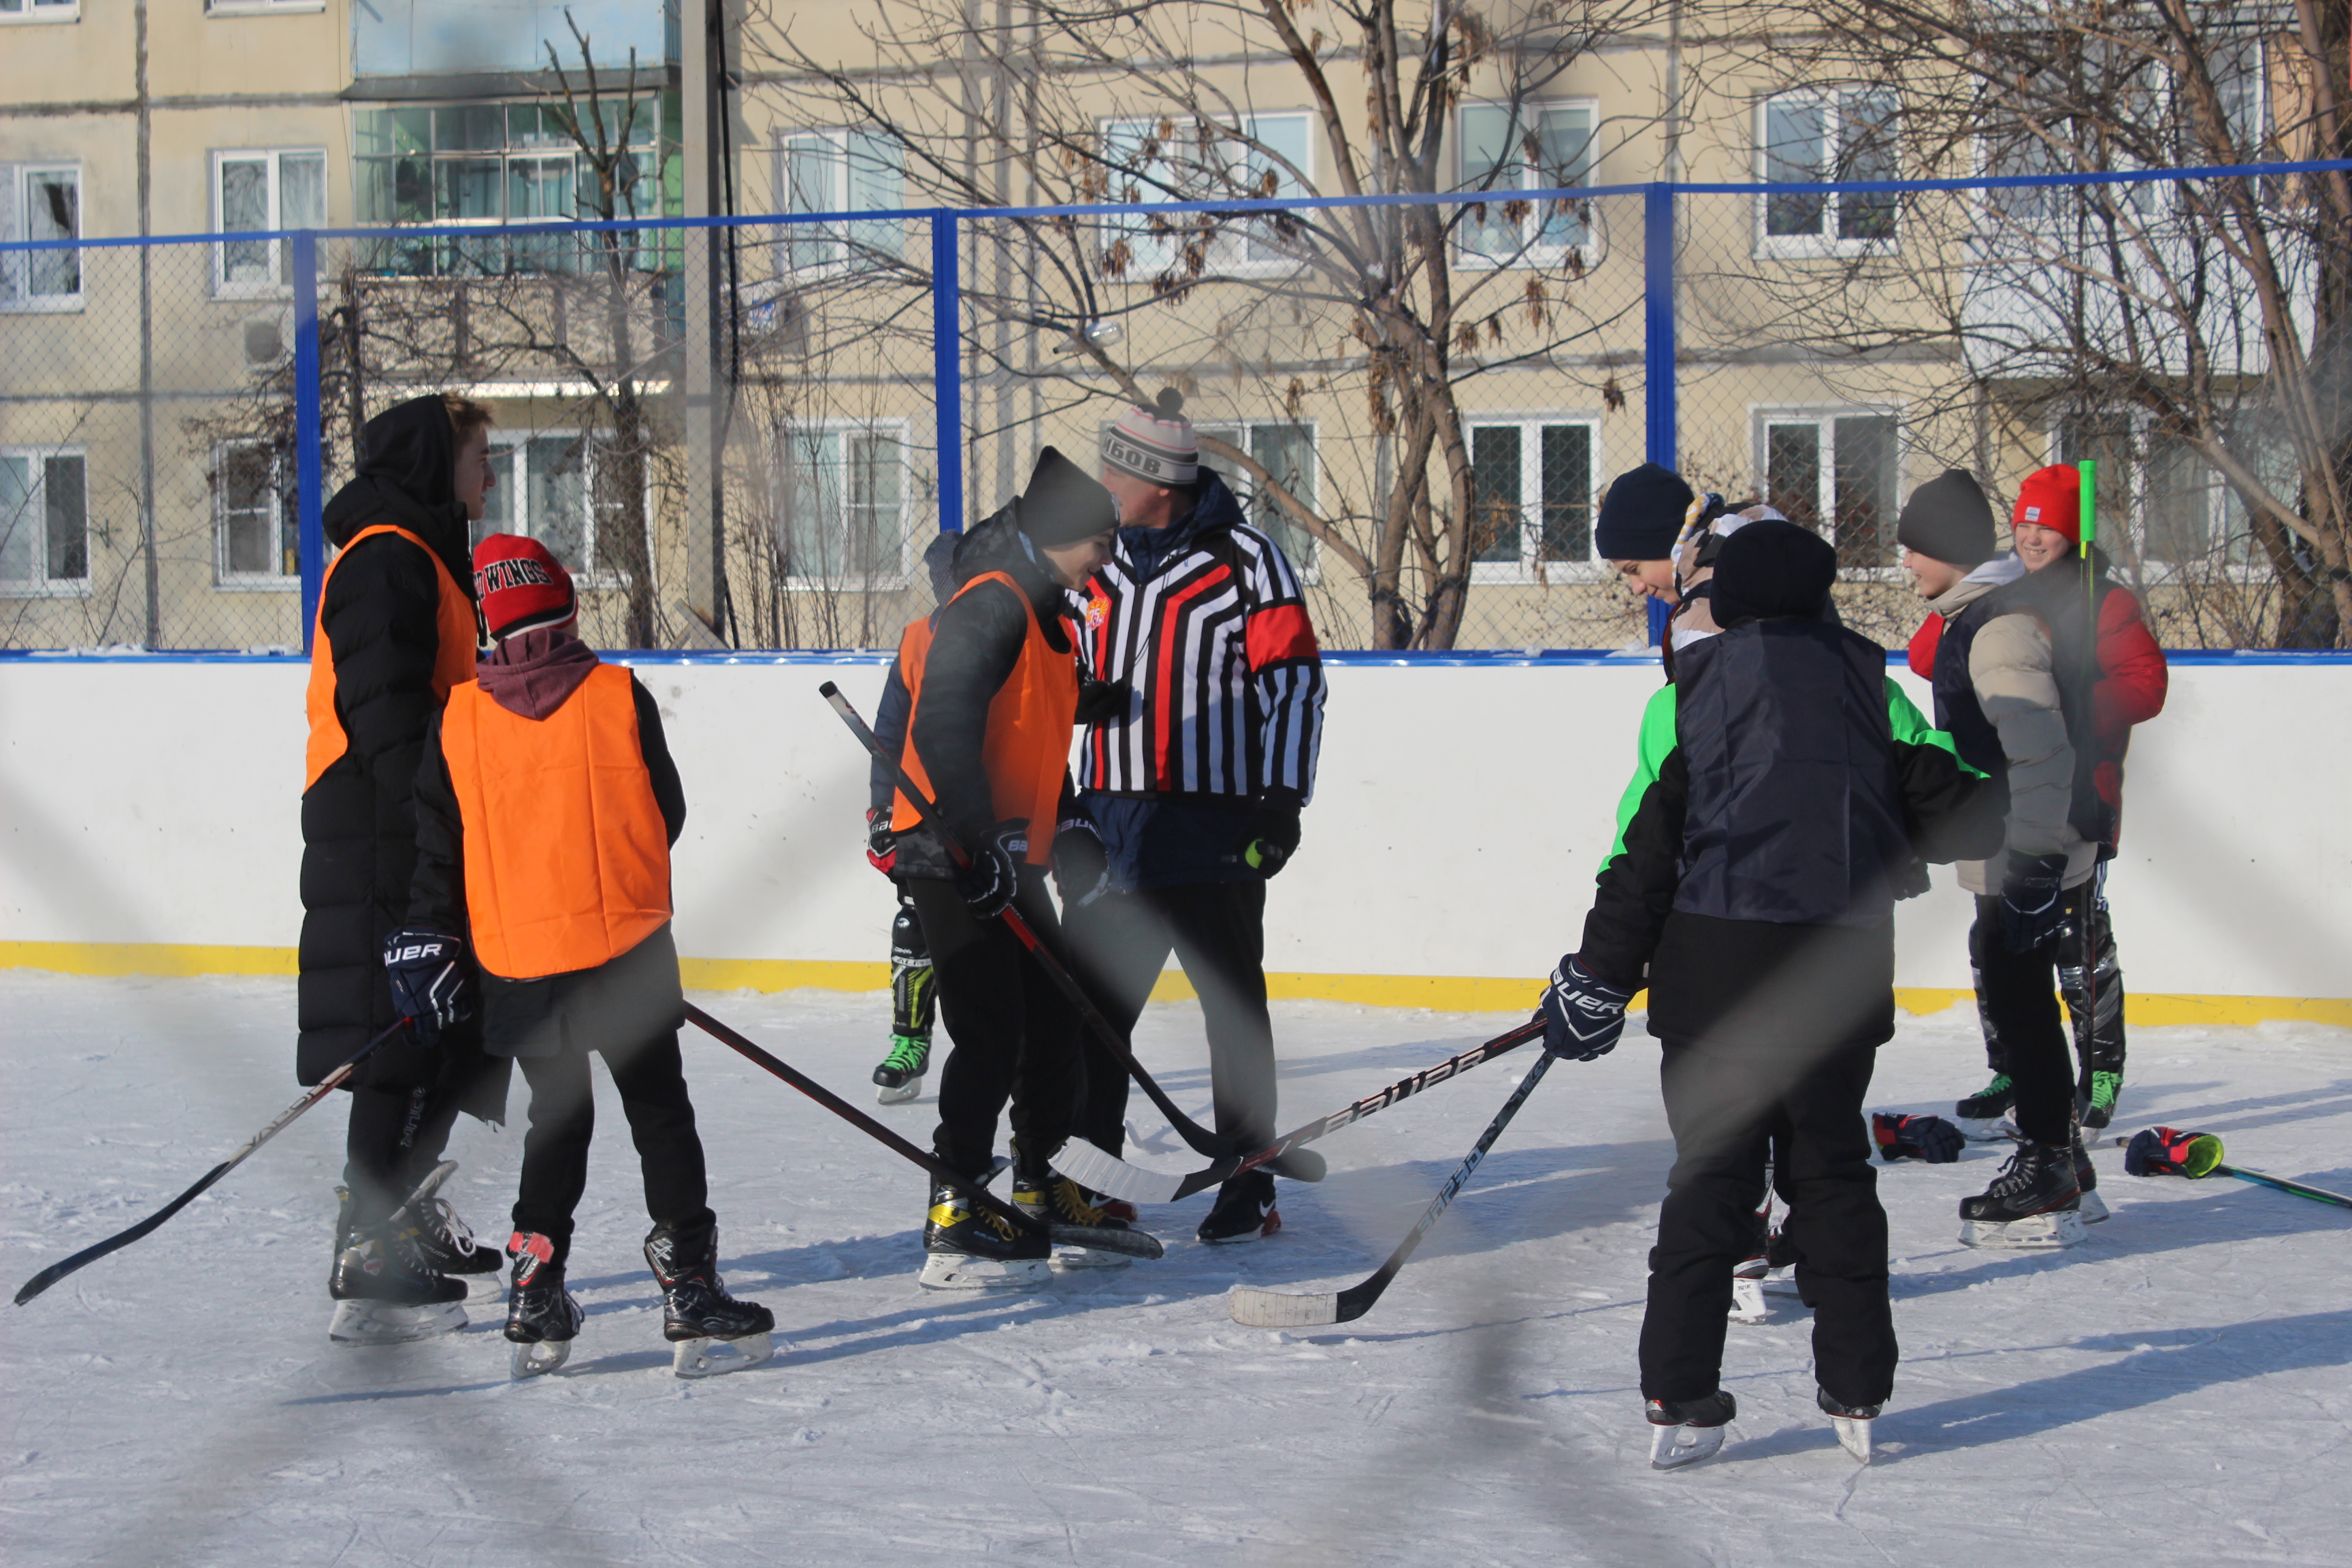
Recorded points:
(1277, 633)
(1164, 706)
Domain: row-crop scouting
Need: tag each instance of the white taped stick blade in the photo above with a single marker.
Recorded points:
(711, 1358)
(1280, 1310)
(537, 1359)
(1091, 1168)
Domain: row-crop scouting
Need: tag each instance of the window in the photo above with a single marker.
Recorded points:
(43, 522)
(1530, 496)
(1529, 148)
(255, 532)
(549, 487)
(2158, 501)
(845, 521)
(256, 192)
(250, 7)
(1819, 138)
(501, 163)
(1272, 161)
(839, 171)
(39, 11)
(40, 203)
(1835, 474)
(1286, 450)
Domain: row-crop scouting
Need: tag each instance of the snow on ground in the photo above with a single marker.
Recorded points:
(2171, 1391)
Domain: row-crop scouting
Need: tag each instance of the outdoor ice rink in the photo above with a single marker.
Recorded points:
(2172, 1391)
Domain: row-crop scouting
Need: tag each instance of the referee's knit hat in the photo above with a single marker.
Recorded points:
(1155, 444)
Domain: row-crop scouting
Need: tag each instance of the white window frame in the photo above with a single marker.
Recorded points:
(1307, 562)
(1242, 250)
(14, 200)
(1823, 417)
(843, 251)
(280, 283)
(1832, 101)
(2241, 554)
(515, 443)
(42, 13)
(41, 585)
(281, 487)
(1529, 568)
(879, 580)
(1520, 175)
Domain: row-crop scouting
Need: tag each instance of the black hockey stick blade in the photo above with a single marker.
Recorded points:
(975, 1190)
(1200, 1140)
(148, 1226)
(1091, 1167)
(1282, 1310)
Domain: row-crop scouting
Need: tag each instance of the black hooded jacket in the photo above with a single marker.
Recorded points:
(379, 619)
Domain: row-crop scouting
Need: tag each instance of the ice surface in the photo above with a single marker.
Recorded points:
(2172, 1390)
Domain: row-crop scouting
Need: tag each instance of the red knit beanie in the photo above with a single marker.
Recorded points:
(2052, 497)
(521, 587)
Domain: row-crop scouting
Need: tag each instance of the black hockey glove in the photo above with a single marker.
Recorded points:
(1272, 834)
(2032, 902)
(881, 842)
(1582, 1013)
(989, 883)
(1099, 701)
(432, 985)
(1081, 865)
(1929, 1138)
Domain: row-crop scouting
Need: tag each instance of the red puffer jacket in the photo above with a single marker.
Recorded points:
(2132, 681)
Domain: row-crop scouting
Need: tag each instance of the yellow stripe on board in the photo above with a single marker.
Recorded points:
(1438, 993)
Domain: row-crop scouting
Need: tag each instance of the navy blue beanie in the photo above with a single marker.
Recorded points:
(1642, 515)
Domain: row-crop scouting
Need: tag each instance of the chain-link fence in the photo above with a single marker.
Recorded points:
(743, 432)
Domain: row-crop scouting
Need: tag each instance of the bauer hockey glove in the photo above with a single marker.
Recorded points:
(881, 842)
(2033, 901)
(2169, 1151)
(1272, 837)
(431, 983)
(1081, 865)
(991, 878)
(1582, 1013)
(1929, 1138)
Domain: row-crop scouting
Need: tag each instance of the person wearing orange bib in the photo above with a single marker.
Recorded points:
(546, 808)
(396, 632)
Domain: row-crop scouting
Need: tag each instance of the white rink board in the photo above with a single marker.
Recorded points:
(1461, 814)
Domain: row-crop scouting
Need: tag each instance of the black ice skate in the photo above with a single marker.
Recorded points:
(1088, 1237)
(2035, 1202)
(447, 1242)
(900, 1077)
(2100, 1107)
(542, 1317)
(1685, 1431)
(968, 1247)
(1748, 1305)
(713, 1331)
(1851, 1423)
(1245, 1211)
(385, 1291)
(1979, 1115)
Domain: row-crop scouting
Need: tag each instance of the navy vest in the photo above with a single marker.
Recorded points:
(1795, 813)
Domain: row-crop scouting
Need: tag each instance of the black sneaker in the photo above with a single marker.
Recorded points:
(1245, 1211)
(1685, 1431)
(2036, 1201)
(969, 1247)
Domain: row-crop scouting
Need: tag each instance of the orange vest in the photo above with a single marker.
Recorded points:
(1027, 749)
(452, 662)
(567, 859)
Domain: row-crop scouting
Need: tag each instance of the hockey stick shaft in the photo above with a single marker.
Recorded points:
(859, 1119)
(145, 1228)
(1201, 1140)
(1357, 1299)
(2261, 1178)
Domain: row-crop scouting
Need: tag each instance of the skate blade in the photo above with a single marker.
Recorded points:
(910, 1090)
(379, 1323)
(2095, 1208)
(713, 1358)
(1281, 1310)
(482, 1289)
(1853, 1435)
(537, 1359)
(1748, 1305)
(1988, 1129)
(2041, 1231)
(1125, 1243)
(1067, 1259)
(1787, 1287)
(960, 1271)
(1672, 1447)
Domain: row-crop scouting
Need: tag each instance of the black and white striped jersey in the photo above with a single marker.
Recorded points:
(1225, 684)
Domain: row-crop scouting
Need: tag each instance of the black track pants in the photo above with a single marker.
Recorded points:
(1217, 931)
(395, 1137)
(2106, 1032)
(2020, 1002)
(1012, 1034)
(652, 1081)
(1730, 1105)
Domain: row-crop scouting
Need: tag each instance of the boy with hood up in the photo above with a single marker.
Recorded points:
(396, 632)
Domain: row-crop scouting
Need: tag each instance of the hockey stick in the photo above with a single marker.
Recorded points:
(1201, 1140)
(116, 1243)
(2264, 1178)
(1281, 1310)
(1090, 1167)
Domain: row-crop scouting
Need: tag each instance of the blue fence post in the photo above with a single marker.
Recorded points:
(947, 367)
(309, 431)
(1658, 340)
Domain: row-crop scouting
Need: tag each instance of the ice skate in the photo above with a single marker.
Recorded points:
(1245, 1211)
(1979, 1115)
(1084, 1235)
(1748, 1275)
(1685, 1431)
(713, 1331)
(444, 1240)
(2086, 1177)
(1851, 1423)
(971, 1248)
(2035, 1202)
(900, 1077)
(385, 1291)
(542, 1317)
(2100, 1108)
